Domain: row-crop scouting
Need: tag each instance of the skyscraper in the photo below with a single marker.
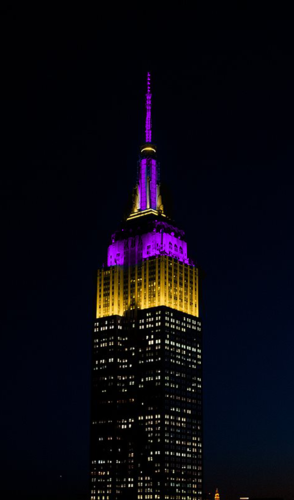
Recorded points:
(146, 415)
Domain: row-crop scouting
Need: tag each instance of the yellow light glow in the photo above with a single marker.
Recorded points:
(134, 215)
(148, 149)
(158, 281)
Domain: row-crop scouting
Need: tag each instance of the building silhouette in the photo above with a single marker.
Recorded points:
(146, 408)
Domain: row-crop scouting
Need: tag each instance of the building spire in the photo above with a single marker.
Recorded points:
(148, 123)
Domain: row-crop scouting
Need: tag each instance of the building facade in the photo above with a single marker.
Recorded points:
(146, 414)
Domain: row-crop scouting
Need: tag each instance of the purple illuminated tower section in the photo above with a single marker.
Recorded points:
(143, 184)
(148, 124)
(147, 172)
(153, 184)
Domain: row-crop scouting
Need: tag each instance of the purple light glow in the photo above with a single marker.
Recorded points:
(131, 251)
(153, 184)
(148, 134)
(143, 185)
(147, 184)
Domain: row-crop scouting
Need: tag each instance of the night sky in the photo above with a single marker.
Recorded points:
(72, 121)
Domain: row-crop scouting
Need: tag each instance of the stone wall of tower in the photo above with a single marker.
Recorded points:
(146, 423)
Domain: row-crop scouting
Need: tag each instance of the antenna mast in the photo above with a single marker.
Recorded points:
(148, 123)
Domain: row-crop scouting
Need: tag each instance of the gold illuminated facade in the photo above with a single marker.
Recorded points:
(158, 281)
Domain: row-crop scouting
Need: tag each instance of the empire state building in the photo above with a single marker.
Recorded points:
(146, 399)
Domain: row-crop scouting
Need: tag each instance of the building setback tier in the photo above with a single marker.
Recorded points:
(158, 281)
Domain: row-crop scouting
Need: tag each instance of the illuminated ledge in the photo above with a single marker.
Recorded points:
(134, 215)
(148, 148)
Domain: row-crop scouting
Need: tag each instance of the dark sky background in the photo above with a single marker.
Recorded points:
(72, 119)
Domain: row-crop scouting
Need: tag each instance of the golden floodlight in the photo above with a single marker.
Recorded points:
(148, 148)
